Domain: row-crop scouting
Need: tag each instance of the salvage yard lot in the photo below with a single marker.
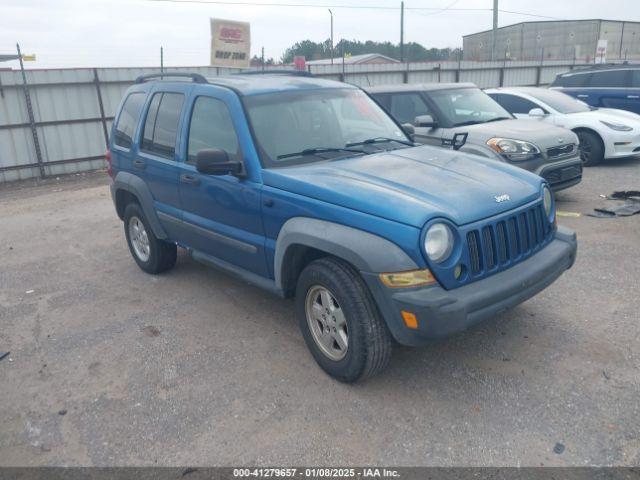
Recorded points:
(111, 366)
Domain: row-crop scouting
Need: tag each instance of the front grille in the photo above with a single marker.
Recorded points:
(561, 151)
(508, 240)
(562, 174)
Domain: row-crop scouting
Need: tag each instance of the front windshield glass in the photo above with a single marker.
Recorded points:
(467, 106)
(559, 101)
(307, 126)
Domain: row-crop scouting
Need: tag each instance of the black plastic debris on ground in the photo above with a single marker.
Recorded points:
(4, 354)
(631, 205)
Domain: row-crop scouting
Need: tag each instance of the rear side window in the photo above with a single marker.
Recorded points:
(128, 120)
(161, 124)
(211, 127)
(513, 103)
(405, 107)
(635, 78)
(610, 78)
(574, 80)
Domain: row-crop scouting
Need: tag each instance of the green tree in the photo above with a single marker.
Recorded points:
(413, 52)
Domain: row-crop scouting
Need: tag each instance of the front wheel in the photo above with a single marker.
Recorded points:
(340, 322)
(591, 148)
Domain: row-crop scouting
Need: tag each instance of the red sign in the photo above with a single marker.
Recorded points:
(299, 62)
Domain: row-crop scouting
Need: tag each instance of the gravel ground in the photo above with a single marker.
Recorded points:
(111, 366)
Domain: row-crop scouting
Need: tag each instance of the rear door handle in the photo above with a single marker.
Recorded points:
(633, 96)
(141, 164)
(583, 96)
(190, 179)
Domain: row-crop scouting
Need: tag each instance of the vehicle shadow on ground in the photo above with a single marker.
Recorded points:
(490, 348)
(616, 163)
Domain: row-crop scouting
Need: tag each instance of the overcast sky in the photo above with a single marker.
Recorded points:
(72, 33)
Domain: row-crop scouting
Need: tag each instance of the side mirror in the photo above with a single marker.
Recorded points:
(425, 121)
(536, 112)
(409, 130)
(212, 161)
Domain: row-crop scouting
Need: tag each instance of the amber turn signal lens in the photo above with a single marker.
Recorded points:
(410, 320)
(412, 278)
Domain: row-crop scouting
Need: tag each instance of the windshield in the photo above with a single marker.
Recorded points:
(306, 126)
(559, 101)
(467, 106)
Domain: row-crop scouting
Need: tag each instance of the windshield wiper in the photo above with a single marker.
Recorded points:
(496, 119)
(369, 141)
(468, 122)
(315, 151)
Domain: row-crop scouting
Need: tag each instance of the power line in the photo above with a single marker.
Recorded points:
(448, 7)
(309, 5)
(435, 10)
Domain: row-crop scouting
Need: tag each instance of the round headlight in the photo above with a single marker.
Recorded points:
(438, 243)
(547, 200)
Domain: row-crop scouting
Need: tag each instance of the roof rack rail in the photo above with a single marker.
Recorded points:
(196, 77)
(297, 73)
(604, 66)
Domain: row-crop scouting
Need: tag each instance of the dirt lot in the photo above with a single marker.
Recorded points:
(110, 366)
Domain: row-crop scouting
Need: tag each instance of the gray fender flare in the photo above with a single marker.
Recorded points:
(365, 251)
(135, 185)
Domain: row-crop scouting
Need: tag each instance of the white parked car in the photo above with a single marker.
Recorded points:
(603, 132)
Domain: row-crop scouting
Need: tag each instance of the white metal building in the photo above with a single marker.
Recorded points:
(557, 40)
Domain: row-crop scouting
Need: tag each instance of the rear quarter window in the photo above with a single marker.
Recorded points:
(128, 118)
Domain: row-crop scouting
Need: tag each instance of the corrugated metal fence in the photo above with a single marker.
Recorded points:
(72, 109)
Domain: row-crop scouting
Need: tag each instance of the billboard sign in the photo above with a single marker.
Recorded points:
(230, 43)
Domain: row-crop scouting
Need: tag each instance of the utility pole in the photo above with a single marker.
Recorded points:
(161, 60)
(331, 13)
(263, 59)
(494, 39)
(402, 31)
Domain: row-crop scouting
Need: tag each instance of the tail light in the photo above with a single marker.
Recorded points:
(107, 157)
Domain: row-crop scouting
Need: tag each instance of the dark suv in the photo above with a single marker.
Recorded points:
(610, 86)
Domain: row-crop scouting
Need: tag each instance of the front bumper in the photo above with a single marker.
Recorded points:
(622, 144)
(562, 174)
(441, 312)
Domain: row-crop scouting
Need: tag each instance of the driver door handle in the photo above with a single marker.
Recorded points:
(189, 179)
(141, 164)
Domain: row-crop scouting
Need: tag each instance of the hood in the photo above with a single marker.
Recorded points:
(539, 133)
(610, 115)
(412, 185)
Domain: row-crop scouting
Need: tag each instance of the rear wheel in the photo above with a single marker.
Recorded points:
(591, 148)
(150, 253)
(340, 322)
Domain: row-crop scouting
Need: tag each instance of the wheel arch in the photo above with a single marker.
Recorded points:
(129, 188)
(302, 240)
(591, 130)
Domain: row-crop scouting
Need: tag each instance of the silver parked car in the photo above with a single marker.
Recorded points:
(437, 112)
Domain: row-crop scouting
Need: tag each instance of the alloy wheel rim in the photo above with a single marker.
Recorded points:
(139, 239)
(585, 148)
(327, 322)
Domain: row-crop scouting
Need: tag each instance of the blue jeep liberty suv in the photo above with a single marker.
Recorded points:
(307, 188)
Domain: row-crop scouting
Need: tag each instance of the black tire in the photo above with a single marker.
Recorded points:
(162, 255)
(368, 342)
(591, 148)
